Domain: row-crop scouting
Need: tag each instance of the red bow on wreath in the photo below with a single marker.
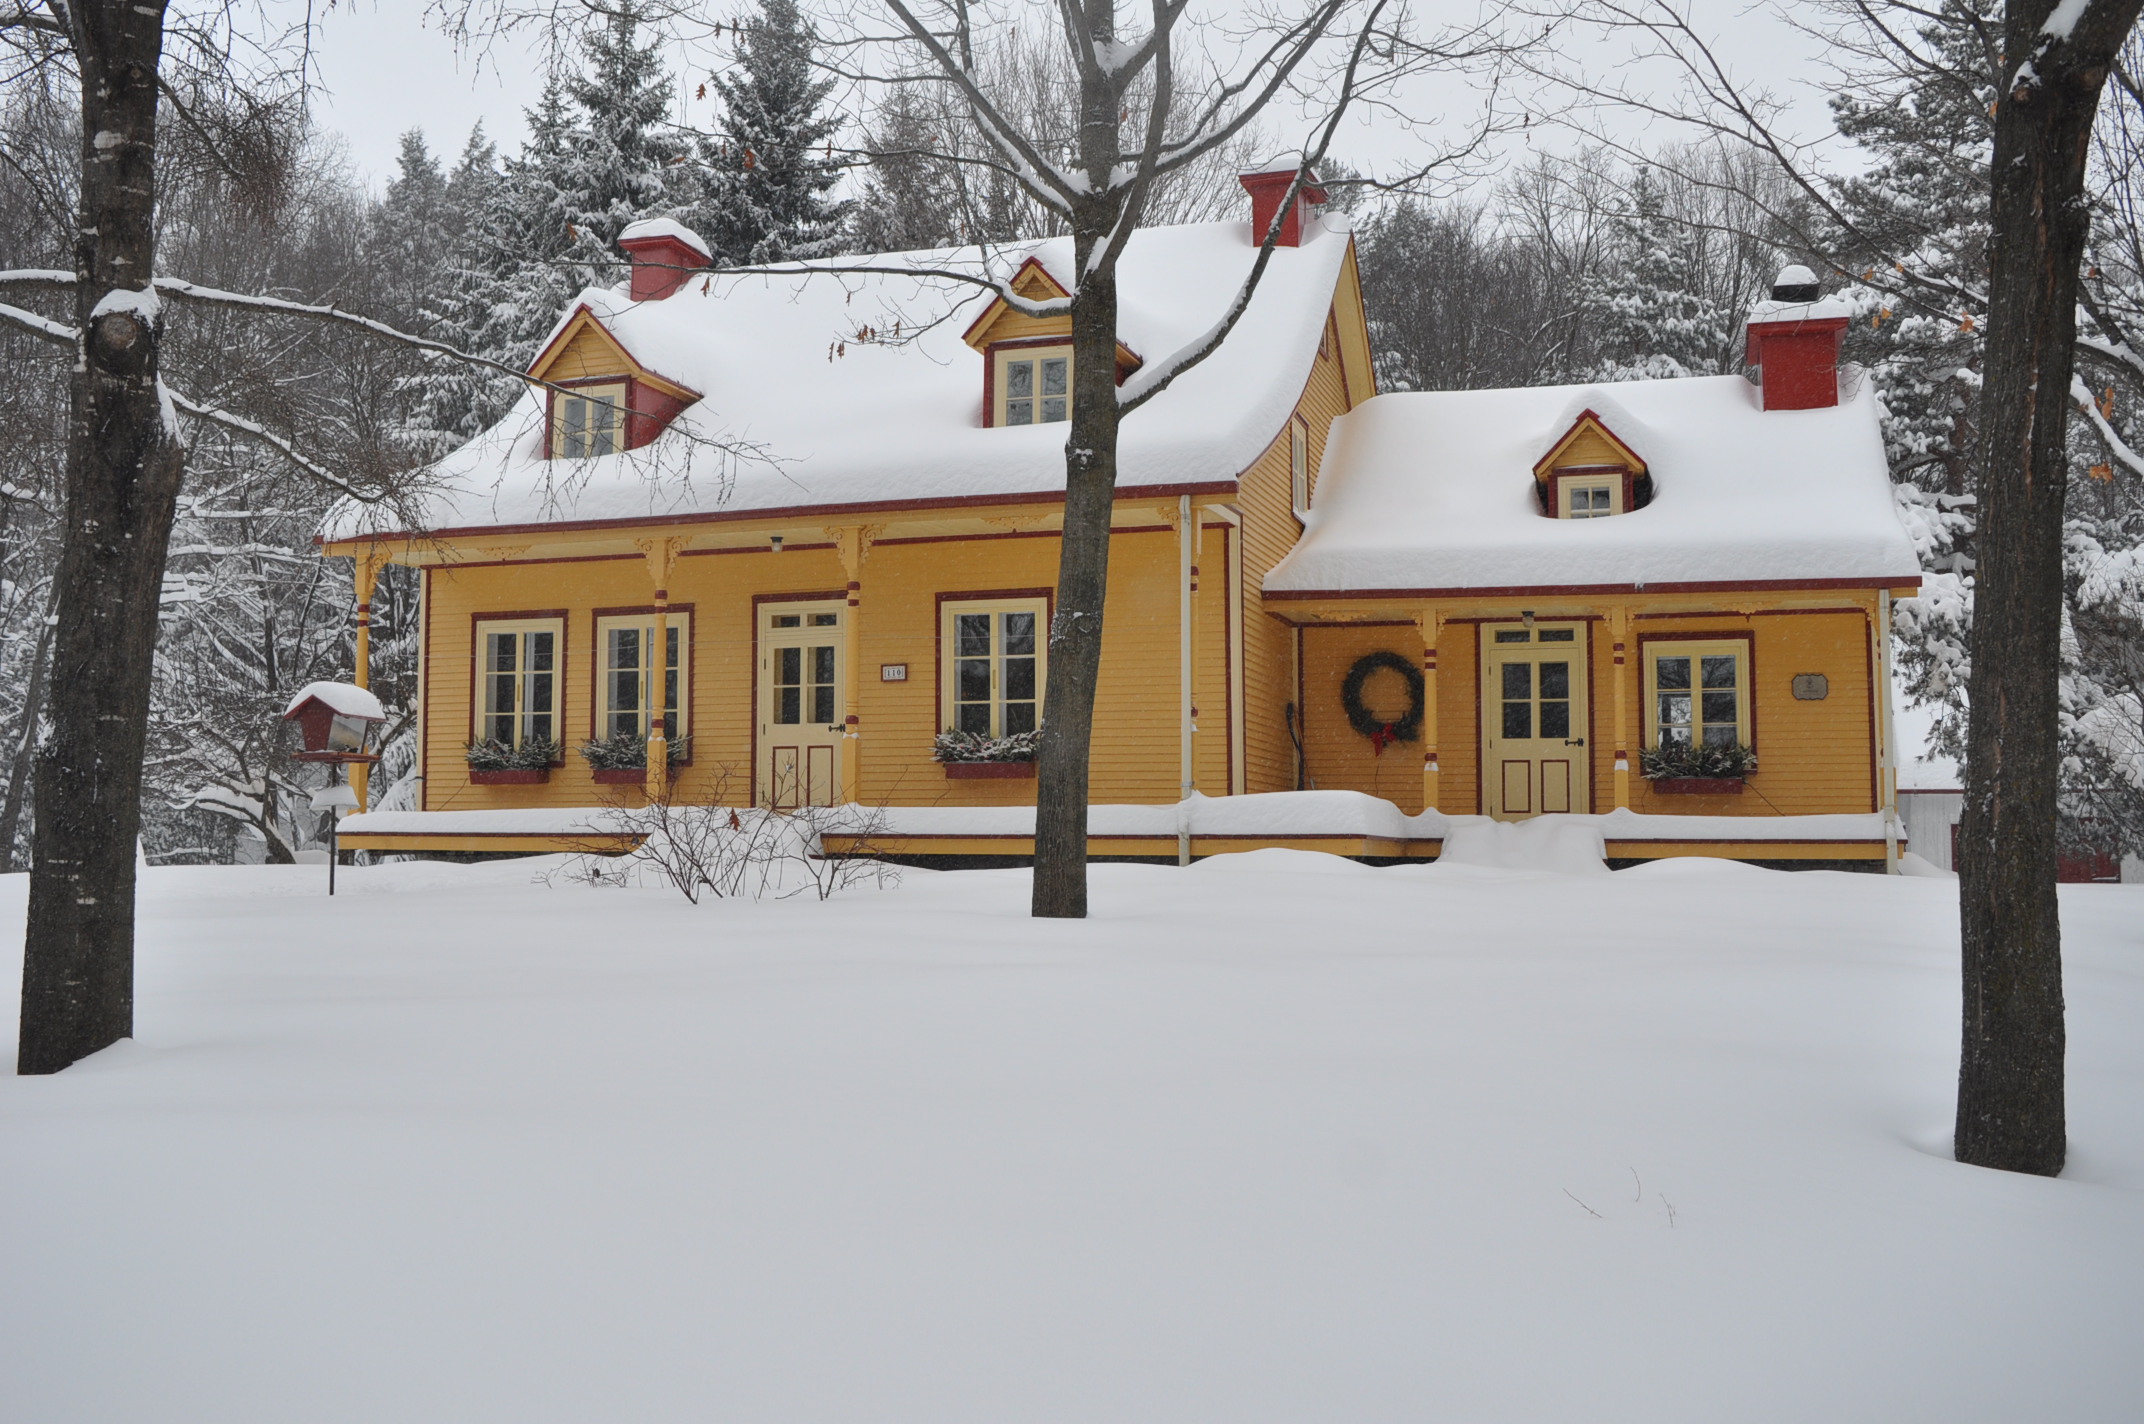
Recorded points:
(1384, 737)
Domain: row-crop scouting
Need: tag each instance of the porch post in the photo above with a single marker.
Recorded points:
(853, 543)
(1187, 581)
(661, 555)
(365, 576)
(1619, 635)
(1431, 621)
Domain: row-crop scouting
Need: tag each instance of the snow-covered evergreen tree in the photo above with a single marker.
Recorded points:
(599, 156)
(771, 171)
(1656, 321)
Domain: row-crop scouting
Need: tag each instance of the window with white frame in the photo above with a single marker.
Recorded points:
(1697, 694)
(1034, 385)
(1591, 494)
(628, 677)
(994, 664)
(517, 673)
(1299, 465)
(588, 420)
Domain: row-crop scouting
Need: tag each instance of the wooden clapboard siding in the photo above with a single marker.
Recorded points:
(589, 353)
(1266, 498)
(1337, 756)
(1135, 755)
(1812, 756)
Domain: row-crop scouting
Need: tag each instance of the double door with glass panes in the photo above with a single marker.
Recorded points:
(802, 649)
(1533, 707)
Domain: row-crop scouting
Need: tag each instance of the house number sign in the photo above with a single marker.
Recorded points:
(893, 672)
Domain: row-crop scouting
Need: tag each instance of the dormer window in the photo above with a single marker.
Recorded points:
(599, 400)
(1591, 473)
(1589, 494)
(1034, 385)
(588, 420)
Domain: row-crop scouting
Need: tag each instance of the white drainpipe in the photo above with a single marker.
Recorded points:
(1886, 735)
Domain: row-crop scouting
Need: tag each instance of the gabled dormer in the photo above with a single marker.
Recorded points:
(600, 400)
(1027, 360)
(1589, 473)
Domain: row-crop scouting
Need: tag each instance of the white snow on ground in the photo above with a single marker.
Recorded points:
(1431, 1143)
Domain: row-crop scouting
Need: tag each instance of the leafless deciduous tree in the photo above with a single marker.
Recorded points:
(1134, 105)
(2051, 64)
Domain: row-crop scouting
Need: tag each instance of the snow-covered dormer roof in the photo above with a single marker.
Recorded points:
(1434, 493)
(852, 388)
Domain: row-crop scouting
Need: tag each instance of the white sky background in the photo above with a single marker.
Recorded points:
(384, 70)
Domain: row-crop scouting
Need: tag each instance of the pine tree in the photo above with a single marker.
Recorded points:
(1655, 320)
(599, 156)
(770, 169)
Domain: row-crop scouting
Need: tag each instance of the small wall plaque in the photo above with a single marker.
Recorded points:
(1811, 687)
(898, 672)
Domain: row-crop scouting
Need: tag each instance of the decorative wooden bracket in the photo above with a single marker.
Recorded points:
(853, 543)
(661, 555)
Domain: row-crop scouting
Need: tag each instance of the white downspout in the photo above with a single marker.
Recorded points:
(1186, 534)
(1886, 735)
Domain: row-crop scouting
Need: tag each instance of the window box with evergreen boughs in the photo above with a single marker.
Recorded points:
(497, 763)
(971, 756)
(622, 759)
(1703, 769)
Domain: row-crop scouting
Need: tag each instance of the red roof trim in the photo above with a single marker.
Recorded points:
(794, 511)
(990, 313)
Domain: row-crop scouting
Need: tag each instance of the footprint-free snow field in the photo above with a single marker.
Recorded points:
(1275, 1138)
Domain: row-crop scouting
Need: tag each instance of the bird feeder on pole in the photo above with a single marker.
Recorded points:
(337, 721)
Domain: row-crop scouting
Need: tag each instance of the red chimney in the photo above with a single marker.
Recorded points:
(664, 253)
(1793, 342)
(1267, 187)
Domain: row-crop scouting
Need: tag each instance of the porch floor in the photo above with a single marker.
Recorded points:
(1346, 823)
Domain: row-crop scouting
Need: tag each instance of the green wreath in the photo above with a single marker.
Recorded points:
(1359, 715)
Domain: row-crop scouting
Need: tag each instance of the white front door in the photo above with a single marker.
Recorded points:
(1533, 713)
(803, 649)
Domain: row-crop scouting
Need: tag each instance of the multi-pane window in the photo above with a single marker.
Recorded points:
(518, 672)
(1034, 386)
(1698, 695)
(1589, 496)
(1299, 465)
(994, 666)
(1536, 699)
(628, 674)
(804, 685)
(588, 420)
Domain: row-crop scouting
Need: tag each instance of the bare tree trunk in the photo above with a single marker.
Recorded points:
(1075, 661)
(2010, 1073)
(33, 709)
(124, 463)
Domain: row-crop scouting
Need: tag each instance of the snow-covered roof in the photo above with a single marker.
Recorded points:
(1435, 491)
(345, 698)
(666, 227)
(898, 419)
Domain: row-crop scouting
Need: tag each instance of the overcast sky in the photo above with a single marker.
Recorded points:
(385, 71)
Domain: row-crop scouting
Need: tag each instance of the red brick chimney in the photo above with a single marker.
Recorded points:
(1267, 186)
(664, 253)
(1793, 342)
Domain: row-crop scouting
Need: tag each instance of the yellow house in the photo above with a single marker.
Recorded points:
(778, 533)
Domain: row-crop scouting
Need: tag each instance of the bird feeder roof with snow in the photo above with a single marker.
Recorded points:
(336, 719)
